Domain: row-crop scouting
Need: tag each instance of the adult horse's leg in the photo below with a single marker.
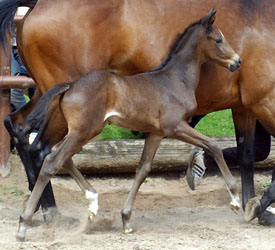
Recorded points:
(255, 208)
(245, 133)
(151, 144)
(268, 217)
(264, 110)
(18, 129)
(187, 134)
(53, 133)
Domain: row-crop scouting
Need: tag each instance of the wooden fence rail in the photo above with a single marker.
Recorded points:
(122, 156)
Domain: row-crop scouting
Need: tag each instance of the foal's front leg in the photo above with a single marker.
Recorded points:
(151, 144)
(187, 134)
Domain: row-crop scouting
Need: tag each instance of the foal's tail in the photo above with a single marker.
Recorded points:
(38, 117)
(8, 9)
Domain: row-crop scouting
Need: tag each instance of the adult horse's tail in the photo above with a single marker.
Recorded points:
(8, 9)
(36, 119)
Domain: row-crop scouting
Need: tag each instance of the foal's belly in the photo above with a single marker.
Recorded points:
(138, 123)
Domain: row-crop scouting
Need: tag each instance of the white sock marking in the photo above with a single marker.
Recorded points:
(93, 199)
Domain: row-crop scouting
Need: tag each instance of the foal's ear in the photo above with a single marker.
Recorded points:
(209, 19)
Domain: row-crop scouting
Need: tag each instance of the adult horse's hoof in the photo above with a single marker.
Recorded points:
(253, 209)
(267, 219)
(50, 214)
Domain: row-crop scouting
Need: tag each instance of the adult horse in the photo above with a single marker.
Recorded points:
(62, 40)
(161, 104)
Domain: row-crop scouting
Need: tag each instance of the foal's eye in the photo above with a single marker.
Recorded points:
(218, 41)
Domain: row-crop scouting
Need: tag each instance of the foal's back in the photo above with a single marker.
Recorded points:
(133, 102)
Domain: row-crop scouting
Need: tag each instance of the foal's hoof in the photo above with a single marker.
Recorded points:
(235, 208)
(91, 217)
(21, 233)
(20, 238)
(252, 209)
(267, 219)
(127, 230)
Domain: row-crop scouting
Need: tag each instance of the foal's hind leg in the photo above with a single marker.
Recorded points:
(18, 130)
(90, 193)
(151, 144)
(52, 163)
(187, 134)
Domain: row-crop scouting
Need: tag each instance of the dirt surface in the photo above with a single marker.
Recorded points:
(167, 215)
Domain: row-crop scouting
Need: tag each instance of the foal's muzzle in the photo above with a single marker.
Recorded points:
(235, 65)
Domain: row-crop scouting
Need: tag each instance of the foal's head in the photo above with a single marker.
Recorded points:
(213, 45)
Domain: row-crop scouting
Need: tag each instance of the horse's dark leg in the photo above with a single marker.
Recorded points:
(151, 144)
(52, 133)
(20, 141)
(258, 208)
(268, 197)
(267, 218)
(245, 133)
(37, 155)
(18, 130)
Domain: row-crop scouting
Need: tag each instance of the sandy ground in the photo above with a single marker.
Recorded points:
(167, 215)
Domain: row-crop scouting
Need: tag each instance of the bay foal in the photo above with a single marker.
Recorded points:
(160, 102)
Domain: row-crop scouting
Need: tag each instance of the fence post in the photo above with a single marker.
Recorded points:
(4, 111)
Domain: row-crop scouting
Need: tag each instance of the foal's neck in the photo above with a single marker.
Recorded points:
(186, 63)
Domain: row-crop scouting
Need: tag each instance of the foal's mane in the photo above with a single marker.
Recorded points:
(174, 48)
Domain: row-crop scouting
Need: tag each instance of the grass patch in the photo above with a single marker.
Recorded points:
(5, 190)
(17, 192)
(215, 124)
(12, 190)
(116, 133)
